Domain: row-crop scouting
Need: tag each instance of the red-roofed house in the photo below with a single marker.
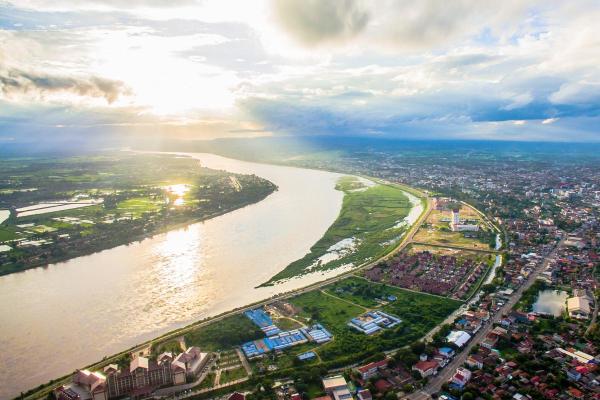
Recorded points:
(575, 393)
(370, 370)
(383, 386)
(426, 368)
(237, 396)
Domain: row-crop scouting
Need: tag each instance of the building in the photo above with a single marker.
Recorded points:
(455, 216)
(458, 338)
(337, 387)
(373, 321)
(191, 361)
(85, 385)
(461, 377)
(364, 394)
(426, 368)
(141, 378)
(456, 226)
(578, 307)
(475, 361)
(237, 396)
(446, 352)
(372, 369)
(317, 333)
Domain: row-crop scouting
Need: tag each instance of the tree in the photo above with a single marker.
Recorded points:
(390, 396)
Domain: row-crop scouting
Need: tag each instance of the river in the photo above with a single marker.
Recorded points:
(67, 315)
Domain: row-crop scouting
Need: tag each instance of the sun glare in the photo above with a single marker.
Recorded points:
(160, 79)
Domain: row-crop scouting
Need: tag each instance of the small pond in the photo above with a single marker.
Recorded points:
(550, 302)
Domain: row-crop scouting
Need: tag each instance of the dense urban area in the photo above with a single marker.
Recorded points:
(494, 295)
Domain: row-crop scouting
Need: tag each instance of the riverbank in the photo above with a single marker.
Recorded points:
(131, 197)
(372, 221)
(324, 280)
(131, 294)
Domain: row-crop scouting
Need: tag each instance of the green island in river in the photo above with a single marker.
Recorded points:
(371, 223)
(62, 208)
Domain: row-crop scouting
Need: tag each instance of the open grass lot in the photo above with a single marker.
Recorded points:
(363, 292)
(419, 312)
(447, 251)
(436, 230)
(224, 334)
(232, 375)
(7, 233)
(369, 220)
(172, 345)
(448, 238)
(207, 382)
(286, 324)
(137, 206)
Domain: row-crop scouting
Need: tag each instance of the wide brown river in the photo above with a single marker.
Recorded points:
(67, 315)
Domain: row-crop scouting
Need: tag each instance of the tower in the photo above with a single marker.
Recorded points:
(455, 217)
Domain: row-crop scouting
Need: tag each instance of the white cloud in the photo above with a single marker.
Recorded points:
(518, 101)
(576, 93)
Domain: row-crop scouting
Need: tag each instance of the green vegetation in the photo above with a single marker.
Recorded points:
(419, 313)
(138, 206)
(137, 195)
(207, 382)
(230, 375)
(368, 227)
(530, 296)
(436, 230)
(363, 292)
(172, 345)
(224, 334)
(287, 324)
(7, 233)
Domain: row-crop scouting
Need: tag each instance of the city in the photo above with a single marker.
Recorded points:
(299, 200)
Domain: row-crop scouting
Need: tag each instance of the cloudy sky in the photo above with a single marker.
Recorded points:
(511, 70)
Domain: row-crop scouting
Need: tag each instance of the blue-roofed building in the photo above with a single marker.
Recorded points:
(317, 333)
(309, 355)
(373, 321)
(280, 341)
(446, 352)
(263, 321)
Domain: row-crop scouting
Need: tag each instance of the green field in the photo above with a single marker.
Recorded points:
(232, 375)
(224, 334)
(173, 346)
(207, 382)
(369, 217)
(419, 313)
(7, 233)
(137, 206)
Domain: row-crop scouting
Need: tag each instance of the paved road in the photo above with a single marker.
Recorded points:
(435, 384)
(594, 315)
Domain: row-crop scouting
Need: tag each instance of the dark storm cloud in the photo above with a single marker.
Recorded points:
(315, 21)
(16, 82)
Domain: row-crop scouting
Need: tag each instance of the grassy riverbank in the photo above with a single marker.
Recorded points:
(125, 197)
(370, 225)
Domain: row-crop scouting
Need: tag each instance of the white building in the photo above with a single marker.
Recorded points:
(578, 307)
(459, 338)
